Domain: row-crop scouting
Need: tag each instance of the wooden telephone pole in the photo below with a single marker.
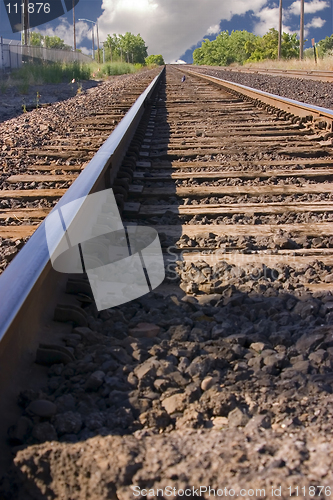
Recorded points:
(280, 30)
(25, 21)
(74, 26)
(301, 34)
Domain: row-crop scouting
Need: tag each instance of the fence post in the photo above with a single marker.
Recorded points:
(2, 58)
(10, 57)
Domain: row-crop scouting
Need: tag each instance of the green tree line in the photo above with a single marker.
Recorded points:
(242, 47)
(50, 42)
(129, 48)
(126, 48)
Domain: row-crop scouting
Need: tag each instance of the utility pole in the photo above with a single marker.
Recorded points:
(74, 26)
(25, 21)
(98, 56)
(280, 30)
(301, 34)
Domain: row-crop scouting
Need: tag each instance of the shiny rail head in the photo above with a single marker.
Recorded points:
(22, 278)
(122, 263)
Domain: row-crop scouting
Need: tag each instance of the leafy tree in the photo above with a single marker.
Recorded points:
(289, 46)
(225, 49)
(36, 39)
(128, 47)
(133, 48)
(242, 46)
(50, 42)
(155, 59)
(54, 42)
(266, 47)
(325, 46)
(111, 45)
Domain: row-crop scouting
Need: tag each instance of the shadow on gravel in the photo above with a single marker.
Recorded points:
(244, 367)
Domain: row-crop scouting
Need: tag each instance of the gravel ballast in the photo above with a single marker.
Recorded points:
(231, 389)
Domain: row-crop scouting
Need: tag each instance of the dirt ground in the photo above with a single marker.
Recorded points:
(13, 99)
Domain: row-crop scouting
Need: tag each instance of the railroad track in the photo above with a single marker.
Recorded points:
(266, 195)
(52, 168)
(314, 74)
(238, 184)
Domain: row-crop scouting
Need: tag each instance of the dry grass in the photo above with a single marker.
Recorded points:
(325, 64)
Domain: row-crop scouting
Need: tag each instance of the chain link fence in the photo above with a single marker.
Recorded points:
(13, 54)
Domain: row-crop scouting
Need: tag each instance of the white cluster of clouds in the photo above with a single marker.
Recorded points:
(213, 30)
(170, 27)
(309, 7)
(316, 22)
(269, 17)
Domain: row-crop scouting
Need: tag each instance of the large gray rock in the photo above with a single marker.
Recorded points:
(200, 366)
(305, 309)
(318, 356)
(175, 403)
(308, 342)
(42, 408)
(302, 366)
(147, 370)
(145, 330)
(238, 418)
(179, 332)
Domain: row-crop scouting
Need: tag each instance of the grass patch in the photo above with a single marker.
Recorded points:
(39, 73)
(56, 72)
(308, 64)
(118, 68)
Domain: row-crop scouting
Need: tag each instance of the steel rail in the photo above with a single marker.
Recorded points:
(27, 271)
(314, 74)
(303, 110)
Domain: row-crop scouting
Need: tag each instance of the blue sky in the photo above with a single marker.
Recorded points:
(174, 27)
